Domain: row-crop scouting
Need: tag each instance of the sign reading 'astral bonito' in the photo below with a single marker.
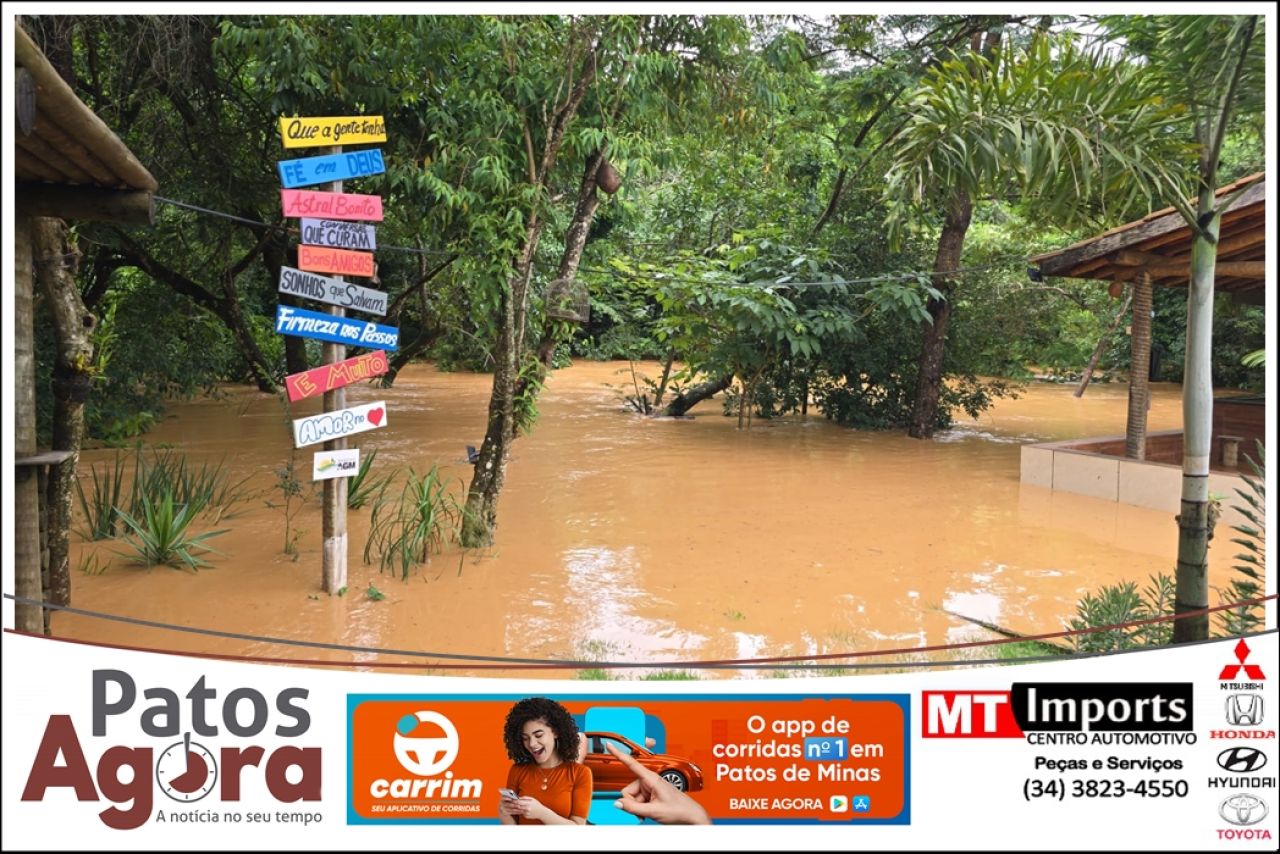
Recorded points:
(335, 425)
(335, 330)
(329, 130)
(306, 171)
(339, 234)
(313, 203)
(326, 378)
(332, 291)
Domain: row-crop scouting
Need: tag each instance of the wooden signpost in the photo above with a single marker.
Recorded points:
(328, 252)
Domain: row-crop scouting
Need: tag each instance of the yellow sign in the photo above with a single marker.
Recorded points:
(353, 130)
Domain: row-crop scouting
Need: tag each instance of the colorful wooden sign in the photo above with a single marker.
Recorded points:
(335, 425)
(310, 132)
(332, 291)
(344, 262)
(313, 203)
(339, 234)
(330, 167)
(327, 465)
(335, 330)
(326, 378)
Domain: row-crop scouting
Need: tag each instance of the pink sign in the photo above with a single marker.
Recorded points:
(328, 377)
(312, 203)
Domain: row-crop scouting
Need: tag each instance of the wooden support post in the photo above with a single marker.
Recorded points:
(335, 489)
(27, 581)
(1135, 433)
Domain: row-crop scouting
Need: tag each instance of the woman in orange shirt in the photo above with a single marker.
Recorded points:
(549, 784)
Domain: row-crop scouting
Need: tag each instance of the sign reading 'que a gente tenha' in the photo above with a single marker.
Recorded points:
(329, 130)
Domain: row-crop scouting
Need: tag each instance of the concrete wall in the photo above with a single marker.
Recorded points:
(1064, 467)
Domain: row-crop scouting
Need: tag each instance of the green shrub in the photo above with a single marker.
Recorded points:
(405, 529)
(162, 534)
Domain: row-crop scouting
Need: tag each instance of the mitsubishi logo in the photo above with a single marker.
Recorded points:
(1244, 709)
(1252, 671)
(1241, 760)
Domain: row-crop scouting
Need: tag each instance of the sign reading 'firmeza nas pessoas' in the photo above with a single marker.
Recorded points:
(335, 330)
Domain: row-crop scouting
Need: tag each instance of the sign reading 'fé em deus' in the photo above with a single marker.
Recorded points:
(306, 171)
(309, 132)
(326, 378)
(335, 425)
(313, 203)
(335, 330)
(338, 234)
(333, 291)
(327, 465)
(323, 259)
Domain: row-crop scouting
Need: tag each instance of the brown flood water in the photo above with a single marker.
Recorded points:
(633, 539)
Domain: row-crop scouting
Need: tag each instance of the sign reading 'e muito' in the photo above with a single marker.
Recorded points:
(323, 259)
(326, 378)
(333, 291)
(327, 465)
(335, 425)
(330, 167)
(313, 203)
(339, 234)
(308, 132)
(335, 330)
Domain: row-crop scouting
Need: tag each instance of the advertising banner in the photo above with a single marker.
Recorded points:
(327, 465)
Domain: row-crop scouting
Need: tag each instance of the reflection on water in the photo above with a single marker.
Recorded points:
(650, 540)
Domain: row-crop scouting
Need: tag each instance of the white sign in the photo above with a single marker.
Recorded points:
(339, 234)
(335, 425)
(314, 286)
(328, 465)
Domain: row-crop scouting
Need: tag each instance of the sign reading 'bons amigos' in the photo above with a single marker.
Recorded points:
(344, 262)
(309, 132)
(326, 378)
(335, 330)
(313, 203)
(335, 425)
(306, 171)
(338, 234)
(333, 291)
(327, 465)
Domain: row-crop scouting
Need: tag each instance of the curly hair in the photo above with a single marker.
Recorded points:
(557, 717)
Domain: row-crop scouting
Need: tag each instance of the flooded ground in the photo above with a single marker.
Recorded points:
(634, 539)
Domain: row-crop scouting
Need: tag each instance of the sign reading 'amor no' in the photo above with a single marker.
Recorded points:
(335, 425)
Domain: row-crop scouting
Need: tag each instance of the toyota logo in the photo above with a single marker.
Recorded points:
(1243, 809)
(1241, 760)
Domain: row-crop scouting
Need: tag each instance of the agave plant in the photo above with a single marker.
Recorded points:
(161, 535)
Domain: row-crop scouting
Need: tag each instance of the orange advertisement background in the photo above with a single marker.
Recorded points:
(693, 727)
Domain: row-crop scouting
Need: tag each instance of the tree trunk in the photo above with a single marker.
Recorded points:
(1102, 346)
(1191, 580)
(682, 403)
(276, 254)
(662, 383)
(924, 413)
(1135, 431)
(72, 376)
(575, 240)
(27, 584)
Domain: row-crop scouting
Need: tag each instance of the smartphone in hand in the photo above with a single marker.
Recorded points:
(509, 794)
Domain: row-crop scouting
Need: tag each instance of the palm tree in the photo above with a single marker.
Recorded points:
(1061, 126)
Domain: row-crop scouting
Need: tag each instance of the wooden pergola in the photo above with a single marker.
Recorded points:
(68, 165)
(1155, 251)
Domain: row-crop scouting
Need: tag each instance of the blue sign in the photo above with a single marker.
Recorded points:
(826, 749)
(306, 171)
(335, 330)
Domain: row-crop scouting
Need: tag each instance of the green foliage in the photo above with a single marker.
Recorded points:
(405, 529)
(1252, 566)
(99, 507)
(160, 534)
(291, 491)
(361, 487)
(373, 594)
(1118, 604)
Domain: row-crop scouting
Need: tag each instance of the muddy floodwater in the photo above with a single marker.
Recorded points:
(636, 539)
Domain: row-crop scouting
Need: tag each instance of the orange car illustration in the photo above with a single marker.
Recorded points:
(610, 775)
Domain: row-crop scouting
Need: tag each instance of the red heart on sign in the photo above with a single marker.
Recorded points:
(375, 416)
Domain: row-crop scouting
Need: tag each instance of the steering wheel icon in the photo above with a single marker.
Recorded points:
(426, 757)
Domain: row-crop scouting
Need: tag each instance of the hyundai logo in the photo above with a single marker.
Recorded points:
(1244, 709)
(1241, 760)
(1243, 809)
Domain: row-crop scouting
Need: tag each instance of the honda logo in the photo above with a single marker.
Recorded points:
(1241, 760)
(1244, 709)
